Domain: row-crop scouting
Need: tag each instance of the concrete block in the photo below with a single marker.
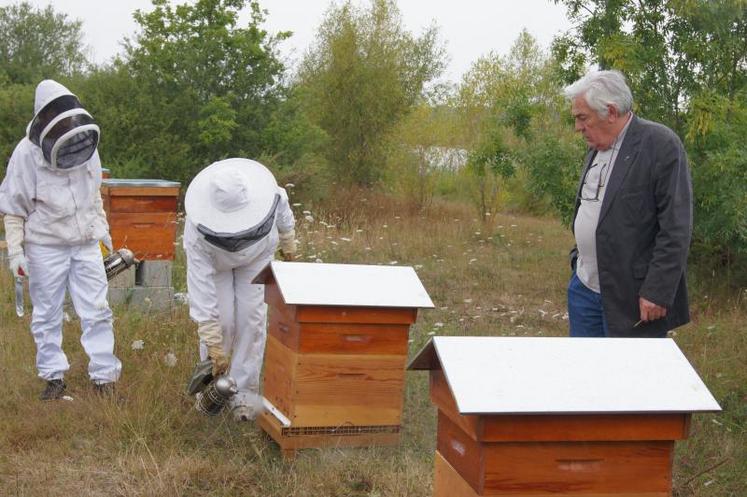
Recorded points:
(154, 274)
(142, 298)
(125, 279)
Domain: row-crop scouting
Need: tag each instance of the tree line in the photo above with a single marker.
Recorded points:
(365, 105)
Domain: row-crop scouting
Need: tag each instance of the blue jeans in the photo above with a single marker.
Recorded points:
(585, 312)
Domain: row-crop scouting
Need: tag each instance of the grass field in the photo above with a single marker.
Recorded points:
(503, 277)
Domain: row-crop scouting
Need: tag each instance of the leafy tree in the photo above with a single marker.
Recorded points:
(202, 87)
(511, 117)
(37, 44)
(363, 75)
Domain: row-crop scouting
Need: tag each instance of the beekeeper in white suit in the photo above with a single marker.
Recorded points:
(54, 219)
(237, 216)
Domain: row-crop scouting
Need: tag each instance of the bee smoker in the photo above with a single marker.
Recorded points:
(212, 400)
(212, 394)
(118, 261)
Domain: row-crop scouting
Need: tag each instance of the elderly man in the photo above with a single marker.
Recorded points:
(632, 220)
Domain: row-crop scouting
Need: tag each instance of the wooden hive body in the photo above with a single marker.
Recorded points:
(554, 454)
(335, 373)
(142, 216)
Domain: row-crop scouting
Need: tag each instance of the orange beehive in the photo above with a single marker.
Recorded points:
(142, 216)
(336, 352)
(523, 416)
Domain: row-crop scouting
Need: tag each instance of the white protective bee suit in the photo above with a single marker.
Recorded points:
(236, 217)
(54, 219)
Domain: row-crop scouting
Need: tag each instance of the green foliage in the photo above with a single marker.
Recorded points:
(360, 79)
(16, 111)
(37, 44)
(513, 122)
(425, 150)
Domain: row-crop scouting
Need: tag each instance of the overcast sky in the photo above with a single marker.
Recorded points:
(471, 28)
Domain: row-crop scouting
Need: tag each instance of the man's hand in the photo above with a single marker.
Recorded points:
(650, 311)
(220, 361)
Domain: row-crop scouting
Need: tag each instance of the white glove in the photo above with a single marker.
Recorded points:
(18, 265)
(288, 244)
(107, 242)
(14, 238)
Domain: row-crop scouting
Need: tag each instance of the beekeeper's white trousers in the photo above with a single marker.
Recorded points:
(79, 268)
(243, 318)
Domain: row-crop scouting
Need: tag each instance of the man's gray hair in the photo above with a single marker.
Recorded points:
(600, 89)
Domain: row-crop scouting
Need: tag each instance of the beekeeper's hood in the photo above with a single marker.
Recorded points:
(233, 202)
(65, 132)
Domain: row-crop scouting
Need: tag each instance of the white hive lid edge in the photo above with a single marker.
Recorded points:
(557, 375)
(308, 283)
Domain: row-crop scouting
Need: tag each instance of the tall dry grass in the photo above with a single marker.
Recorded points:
(505, 276)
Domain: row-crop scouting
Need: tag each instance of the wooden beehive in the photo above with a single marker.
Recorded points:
(559, 417)
(142, 215)
(336, 352)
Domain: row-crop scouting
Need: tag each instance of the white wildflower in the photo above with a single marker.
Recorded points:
(137, 345)
(289, 185)
(318, 260)
(472, 260)
(392, 263)
(344, 239)
(542, 312)
(181, 298)
(170, 359)
(297, 204)
(359, 231)
(431, 333)
(467, 301)
(309, 219)
(418, 266)
(438, 324)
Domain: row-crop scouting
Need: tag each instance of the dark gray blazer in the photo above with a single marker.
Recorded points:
(644, 230)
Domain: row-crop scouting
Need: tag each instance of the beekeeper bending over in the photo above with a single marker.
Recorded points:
(54, 219)
(236, 217)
